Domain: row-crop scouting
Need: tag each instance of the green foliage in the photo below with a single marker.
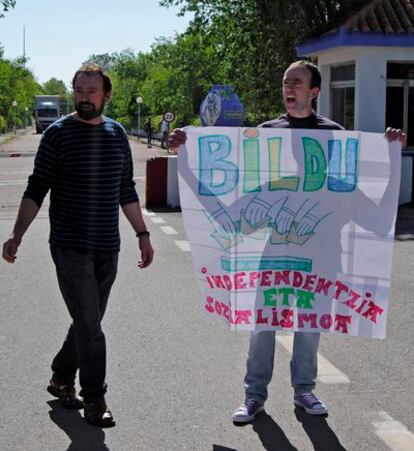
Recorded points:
(3, 124)
(255, 41)
(104, 59)
(246, 44)
(7, 4)
(17, 83)
(55, 87)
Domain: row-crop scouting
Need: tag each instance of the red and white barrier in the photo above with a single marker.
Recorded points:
(161, 188)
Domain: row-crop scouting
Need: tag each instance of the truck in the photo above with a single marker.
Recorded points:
(47, 111)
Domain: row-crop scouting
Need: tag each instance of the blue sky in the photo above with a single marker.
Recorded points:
(60, 35)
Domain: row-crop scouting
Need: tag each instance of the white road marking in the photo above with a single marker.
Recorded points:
(393, 433)
(157, 220)
(327, 373)
(147, 213)
(183, 245)
(12, 182)
(168, 230)
(15, 172)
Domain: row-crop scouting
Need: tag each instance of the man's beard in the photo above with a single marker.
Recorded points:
(88, 111)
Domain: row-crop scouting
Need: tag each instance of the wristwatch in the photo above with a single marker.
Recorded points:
(144, 233)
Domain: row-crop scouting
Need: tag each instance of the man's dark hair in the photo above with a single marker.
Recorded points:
(92, 69)
(316, 78)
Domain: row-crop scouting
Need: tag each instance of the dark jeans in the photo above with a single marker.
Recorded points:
(85, 280)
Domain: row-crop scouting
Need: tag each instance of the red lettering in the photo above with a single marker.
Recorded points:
(209, 307)
(373, 311)
(342, 322)
(226, 312)
(359, 309)
(287, 318)
(309, 281)
(243, 316)
(282, 276)
(323, 285)
(340, 287)
(253, 278)
(265, 280)
(326, 321)
(239, 282)
(209, 282)
(227, 282)
(354, 297)
(297, 279)
(307, 317)
(217, 307)
(218, 281)
(275, 321)
(260, 319)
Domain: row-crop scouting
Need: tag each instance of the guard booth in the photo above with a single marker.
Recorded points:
(367, 64)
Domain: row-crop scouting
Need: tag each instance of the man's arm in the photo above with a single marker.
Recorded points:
(27, 212)
(133, 213)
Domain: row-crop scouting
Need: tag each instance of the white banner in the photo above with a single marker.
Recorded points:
(291, 229)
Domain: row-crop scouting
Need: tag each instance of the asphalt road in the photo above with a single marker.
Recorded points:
(174, 375)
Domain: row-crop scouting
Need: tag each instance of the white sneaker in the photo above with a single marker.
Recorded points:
(247, 411)
(310, 403)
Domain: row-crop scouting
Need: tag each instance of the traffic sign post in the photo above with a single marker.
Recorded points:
(169, 116)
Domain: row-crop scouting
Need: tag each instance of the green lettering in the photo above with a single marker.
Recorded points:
(251, 180)
(276, 182)
(304, 299)
(270, 297)
(285, 292)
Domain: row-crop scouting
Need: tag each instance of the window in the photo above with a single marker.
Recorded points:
(400, 98)
(343, 95)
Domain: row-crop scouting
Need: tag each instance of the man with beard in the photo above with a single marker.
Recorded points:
(85, 160)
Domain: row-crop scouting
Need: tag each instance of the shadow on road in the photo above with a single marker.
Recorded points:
(404, 226)
(82, 435)
(318, 430)
(271, 435)
(222, 448)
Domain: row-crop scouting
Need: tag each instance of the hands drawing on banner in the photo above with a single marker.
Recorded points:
(227, 232)
(287, 223)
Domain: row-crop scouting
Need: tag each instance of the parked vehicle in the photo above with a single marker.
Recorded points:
(47, 111)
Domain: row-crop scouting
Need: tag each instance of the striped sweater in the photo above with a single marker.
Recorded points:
(88, 169)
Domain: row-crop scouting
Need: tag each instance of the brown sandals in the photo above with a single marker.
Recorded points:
(97, 413)
(66, 395)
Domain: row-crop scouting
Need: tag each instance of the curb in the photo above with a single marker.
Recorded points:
(16, 154)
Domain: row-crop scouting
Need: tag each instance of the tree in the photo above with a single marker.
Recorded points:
(7, 4)
(104, 59)
(55, 87)
(17, 83)
(255, 40)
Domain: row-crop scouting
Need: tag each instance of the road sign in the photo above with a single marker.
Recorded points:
(169, 116)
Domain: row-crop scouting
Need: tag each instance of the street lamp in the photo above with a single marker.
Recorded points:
(26, 110)
(139, 100)
(14, 105)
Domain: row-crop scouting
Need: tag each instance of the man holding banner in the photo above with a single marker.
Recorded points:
(301, 87)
